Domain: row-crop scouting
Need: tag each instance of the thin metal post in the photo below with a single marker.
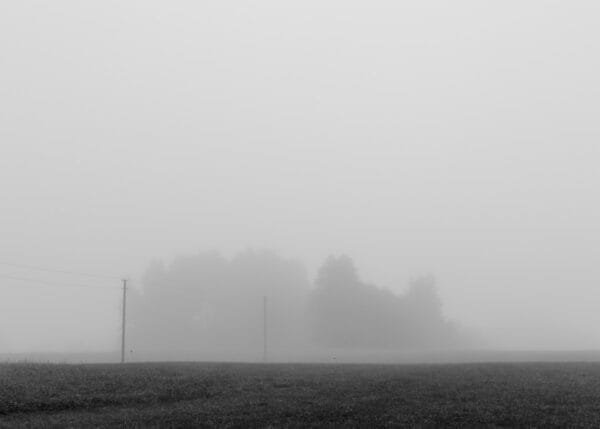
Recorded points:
(123, 321)
(264, 329)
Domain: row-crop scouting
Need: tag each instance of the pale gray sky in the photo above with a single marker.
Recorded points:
(455, 138)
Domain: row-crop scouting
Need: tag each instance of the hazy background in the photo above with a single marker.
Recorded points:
(459, 139)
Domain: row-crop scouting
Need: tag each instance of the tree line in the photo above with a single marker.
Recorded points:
(209, 302)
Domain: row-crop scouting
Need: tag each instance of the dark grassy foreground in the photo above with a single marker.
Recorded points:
(246, 395)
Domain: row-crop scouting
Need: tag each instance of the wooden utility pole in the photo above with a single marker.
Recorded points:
(264, 329)
(123, 320)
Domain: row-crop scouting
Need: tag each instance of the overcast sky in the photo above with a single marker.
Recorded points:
(455, 138)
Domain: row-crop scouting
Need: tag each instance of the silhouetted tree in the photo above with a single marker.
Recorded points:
(345, 312)
(208, 303)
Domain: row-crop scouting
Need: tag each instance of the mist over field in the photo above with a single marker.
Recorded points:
(394, 177)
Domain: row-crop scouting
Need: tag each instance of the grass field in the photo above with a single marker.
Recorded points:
(253, 395)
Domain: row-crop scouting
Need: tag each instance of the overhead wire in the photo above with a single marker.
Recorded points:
(59, 271)
(39, 281)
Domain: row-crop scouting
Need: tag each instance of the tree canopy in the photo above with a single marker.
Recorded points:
(207, 302)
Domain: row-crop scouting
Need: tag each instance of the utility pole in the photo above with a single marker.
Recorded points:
(264, 329)
(123, 320)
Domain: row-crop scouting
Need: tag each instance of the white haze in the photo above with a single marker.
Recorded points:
(459, 139)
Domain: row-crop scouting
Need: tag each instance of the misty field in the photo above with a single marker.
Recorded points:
(254, 395)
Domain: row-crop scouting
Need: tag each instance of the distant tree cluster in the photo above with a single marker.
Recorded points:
(210, 302)
(346, 312)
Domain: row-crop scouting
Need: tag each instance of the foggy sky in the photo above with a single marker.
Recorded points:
(459, 139)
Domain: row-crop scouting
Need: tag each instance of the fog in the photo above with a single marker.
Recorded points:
(450, 142)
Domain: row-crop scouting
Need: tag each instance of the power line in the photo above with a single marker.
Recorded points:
(27, 279)
(53, 270)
